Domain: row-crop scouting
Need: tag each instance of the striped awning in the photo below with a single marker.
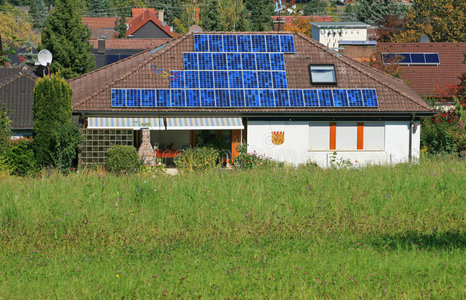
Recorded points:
(204, 123)
(125, 123)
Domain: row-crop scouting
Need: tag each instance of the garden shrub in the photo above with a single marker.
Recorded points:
(123, 159)
(65, 142)
(443, 133)
(197, 159)
(21, 159)
(4, 128)
(248, 160)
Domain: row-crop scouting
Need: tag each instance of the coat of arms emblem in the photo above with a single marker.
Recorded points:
(278, 137)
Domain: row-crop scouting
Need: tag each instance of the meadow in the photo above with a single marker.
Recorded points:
(377, 232)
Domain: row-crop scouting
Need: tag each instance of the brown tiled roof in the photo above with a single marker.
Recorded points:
(16, 92)
(92, 92)
(289, 19)
(102, 22)
(130, 43)
(143, 19)
(427, 79)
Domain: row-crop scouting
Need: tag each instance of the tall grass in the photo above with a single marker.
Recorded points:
(396, 232)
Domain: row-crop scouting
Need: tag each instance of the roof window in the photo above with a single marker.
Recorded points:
(323, 74)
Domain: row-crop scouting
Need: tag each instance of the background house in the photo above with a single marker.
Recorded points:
(331, 34)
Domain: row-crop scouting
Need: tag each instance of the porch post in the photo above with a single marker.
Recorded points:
(146, 151)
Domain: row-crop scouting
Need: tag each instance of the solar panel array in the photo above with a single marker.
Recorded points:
(411, 58)
(239, 71)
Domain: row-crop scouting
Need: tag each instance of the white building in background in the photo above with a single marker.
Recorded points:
(331, 34)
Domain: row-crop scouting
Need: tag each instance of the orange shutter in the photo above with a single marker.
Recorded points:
(360, 136)
(333, 136)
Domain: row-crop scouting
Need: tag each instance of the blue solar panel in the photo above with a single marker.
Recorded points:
(244, 97)
(258, 43)
(355, 98)
(237, 98)
(163, 98)
(190, 61)
(207, 98)
(178, 98)
(177, 79)
(281, 98)
(252, 98)
(296, 98)
(148, 98)
(311, 98)
(118, 97)
(432, 58)
(340, 98)
(234, 61)
(263, 61)
(273, 43)
(279, 80)
(418, 58)
(235, 79)
(221, 79)
(370, 98)
(249, 61)
(215, 43)
(191, 79)
(267, 98)
(287, 43)
(244, 43)
(277, 61)
(264, 79)
(201, 43)
(229, 43)
(192, 98)
(411, 58)
(250, 79)
(326, 98)
(133, 98)
(219, 61)
(205, 61)
(222, 98)
(206, 79)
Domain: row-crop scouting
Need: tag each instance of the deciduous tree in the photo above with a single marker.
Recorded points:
(15, 27)
(68, 39)
(440, 20)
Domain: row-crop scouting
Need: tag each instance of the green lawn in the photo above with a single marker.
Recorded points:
(394, 232)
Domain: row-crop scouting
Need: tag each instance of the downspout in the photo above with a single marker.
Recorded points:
(410, 153)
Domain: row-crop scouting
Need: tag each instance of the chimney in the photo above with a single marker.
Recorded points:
(101, 45)
(279, 24)
(161, 16)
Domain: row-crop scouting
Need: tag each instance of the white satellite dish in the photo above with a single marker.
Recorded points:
(44, 57)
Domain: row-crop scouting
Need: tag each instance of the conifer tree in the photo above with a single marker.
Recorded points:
(98, 8)
(120, 27)
(372, 13)
(210, 16)
(260, 13)
(39, 13)
(68, 39)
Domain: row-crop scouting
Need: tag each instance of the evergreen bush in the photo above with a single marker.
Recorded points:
(123, 159)
(21, 160)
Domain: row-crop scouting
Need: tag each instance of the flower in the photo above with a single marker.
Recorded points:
(117, 276)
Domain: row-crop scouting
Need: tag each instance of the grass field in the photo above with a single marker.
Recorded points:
(394, 232)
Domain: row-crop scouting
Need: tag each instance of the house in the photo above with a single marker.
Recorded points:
(285, 95)
(428, 68)
(332, 34)
(16, 92)
(144, 23)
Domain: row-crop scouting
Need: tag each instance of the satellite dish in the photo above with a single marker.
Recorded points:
(424, 39)
(44, 57)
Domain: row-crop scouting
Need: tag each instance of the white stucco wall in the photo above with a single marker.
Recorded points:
(332, 41)
(296, 147)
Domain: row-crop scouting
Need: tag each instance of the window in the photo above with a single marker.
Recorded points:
(323, 74)
(347, 136)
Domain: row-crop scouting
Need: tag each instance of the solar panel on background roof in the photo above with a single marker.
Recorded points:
(432, 58)
(411, 58)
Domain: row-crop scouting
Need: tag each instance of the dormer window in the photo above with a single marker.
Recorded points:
(323, 74)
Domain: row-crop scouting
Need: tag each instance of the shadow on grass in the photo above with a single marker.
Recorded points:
(416, 240)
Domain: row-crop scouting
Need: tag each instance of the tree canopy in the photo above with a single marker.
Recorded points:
(440, 20)
(68, 39)
(372, 13)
